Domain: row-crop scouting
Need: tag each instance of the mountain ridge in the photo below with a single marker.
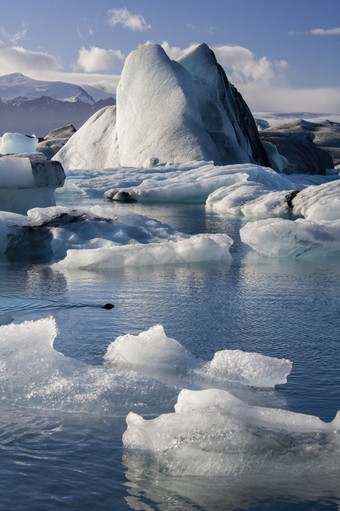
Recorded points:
(36, 106)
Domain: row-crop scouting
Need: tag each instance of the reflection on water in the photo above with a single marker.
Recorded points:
(286, 309)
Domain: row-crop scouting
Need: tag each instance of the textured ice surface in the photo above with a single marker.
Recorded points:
(64, 228)
(168, 111)
(34, 374)
(193, 249)
(184, 182)
(319, 203)
(214, 433)
(285, 238)
(16, 173)
(15, 143)
(155, 354)
(94, 144)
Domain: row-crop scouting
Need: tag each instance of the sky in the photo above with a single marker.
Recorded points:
(282, 55)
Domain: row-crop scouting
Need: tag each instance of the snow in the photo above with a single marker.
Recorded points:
(277, 237)
(154, 354)
(33, 374)
(16, 143)
(17, 86)
(214, 433)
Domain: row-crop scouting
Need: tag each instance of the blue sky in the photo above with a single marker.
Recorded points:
(283, 55)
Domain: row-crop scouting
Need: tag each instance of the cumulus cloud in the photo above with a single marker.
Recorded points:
(327, 31)
(241, 64)
(127, 19)
(98, 59)
(18, 59)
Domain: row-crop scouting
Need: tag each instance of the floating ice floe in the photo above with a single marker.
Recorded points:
(191, 181)
(33, 374)
(193, 249)
(214, 433)
(318, 203)
(286, 238)
(57, 229)
(315, 235)
(154, 354)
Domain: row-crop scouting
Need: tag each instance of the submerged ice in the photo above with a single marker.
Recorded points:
(33, 374)
(214, 433)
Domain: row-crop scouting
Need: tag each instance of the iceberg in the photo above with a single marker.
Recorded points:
(168, 111)
(35, 375)
(28, 181)
(277, 237)
(318, 203)
(59, 228)
(16, 143)
(212, 432)
(154, 354)
(194, 249)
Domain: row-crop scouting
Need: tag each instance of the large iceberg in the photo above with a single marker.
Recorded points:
(168, 111)
(214, 433)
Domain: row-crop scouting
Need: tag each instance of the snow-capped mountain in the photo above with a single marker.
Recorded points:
(36, 106)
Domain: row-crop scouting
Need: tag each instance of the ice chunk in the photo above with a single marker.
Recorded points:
(34, 374)
(320, 202)
(153, 353)
(15, 143)
(245, 368)
(214, 433)
(16, 172)
(92, 227)
(9, 222)
(262, 193)
(194, 249)
(285, 238)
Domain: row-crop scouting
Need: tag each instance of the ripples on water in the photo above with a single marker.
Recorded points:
(287, 309)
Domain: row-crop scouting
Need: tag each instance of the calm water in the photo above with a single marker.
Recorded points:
(291, 309)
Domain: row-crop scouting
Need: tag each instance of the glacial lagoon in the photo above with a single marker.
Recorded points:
(63, 408)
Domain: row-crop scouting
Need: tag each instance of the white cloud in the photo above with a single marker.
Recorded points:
(134, 22)
(240, 63)
(327, 31)
(18, 59)
(290, 99)
(14, 38)
(99, 59)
